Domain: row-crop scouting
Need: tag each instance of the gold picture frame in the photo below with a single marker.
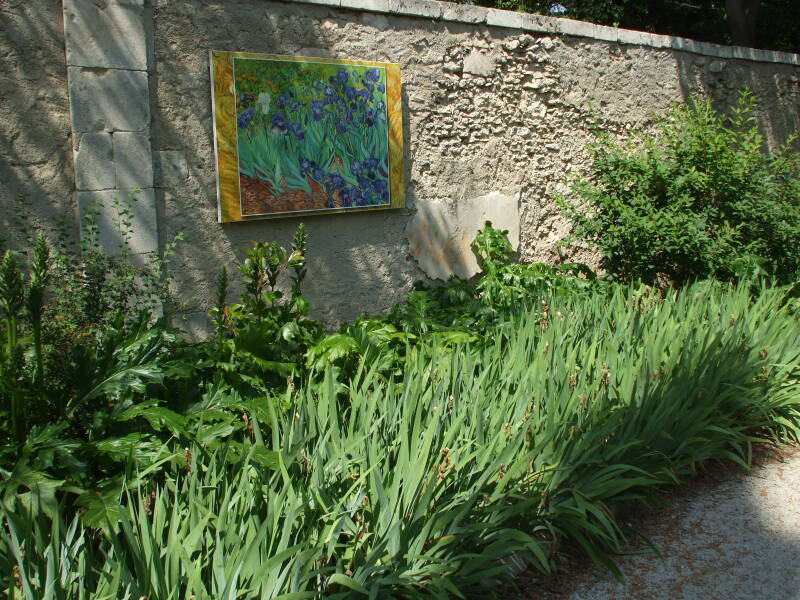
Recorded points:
(304, 136)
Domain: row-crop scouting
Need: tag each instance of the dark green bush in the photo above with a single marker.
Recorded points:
(699, 198)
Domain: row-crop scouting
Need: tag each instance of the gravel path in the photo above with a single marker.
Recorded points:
(732, 535)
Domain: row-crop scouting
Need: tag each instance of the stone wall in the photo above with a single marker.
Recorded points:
(35, 148)
(496, 113)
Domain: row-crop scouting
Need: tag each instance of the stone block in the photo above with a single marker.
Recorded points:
(542, 23)
(504, 18)
(704, 48)
(108, 99)
(578, 28)
(463, 13)
(743, 53)
(607, 34)
(133, 160)
(170, 168)
(106, 34)
(660, 41)
(478, 63)
(94, 162)
(123, 218)
(440, 234)
(723, 51)
(371, 5)
(416, 8)
(630, 36)
(684, 44)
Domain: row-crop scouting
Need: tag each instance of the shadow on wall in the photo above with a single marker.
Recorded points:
(723, 79)
(358, 263)
(35, 143)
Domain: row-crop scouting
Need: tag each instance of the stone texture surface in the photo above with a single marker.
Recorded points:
(36, 153)
(94, 162)
(133, 160)
(124, 217)
(735, 536)
(108, 99)
(107, 33)
(523, 125)
(440, 234)
(170, 168)
(469, 132)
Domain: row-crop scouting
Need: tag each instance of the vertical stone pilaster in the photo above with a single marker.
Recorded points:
(109, 97)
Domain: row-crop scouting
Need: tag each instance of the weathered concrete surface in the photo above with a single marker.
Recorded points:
(170, 168)
(35, 148)
(94, 162)
(105, 34)
(440, 234)
(736, 538)
(108, 99)
(486, 109)
(133, 160)
(495, 101)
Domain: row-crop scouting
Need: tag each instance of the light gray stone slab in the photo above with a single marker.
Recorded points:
(123, 217)
(107, 33)
(133, 159)
(170, 168)
(463, 13)
(578, 28)
(504, 18)
(417, 8)
(540, 23)
(660, 41)
(607, 34)
(743, 53)
(478, 63)
(108, 99)
(440, 233)
(94, 162)
(629, 36)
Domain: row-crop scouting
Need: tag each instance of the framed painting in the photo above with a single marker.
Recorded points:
(300, 136)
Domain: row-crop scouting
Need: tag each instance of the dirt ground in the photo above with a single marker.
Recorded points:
(729, 534)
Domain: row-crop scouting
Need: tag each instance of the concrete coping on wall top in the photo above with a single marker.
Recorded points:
(476, 15)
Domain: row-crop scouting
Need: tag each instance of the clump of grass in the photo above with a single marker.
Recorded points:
(418, 487)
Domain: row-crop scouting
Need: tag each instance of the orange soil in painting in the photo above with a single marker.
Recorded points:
(259, 198)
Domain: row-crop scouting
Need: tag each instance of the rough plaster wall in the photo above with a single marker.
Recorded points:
(35, 147)
(486, 109)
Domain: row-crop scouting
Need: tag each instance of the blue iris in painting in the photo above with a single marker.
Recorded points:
(381, 88)
(337, 181)
(351, 92)
(342, 77)
(246, 118)
(329, 91)
(372, 75)
(280, 122)
(297, 131)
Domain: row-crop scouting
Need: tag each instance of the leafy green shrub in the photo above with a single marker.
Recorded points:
(457, 312)
(699, 198)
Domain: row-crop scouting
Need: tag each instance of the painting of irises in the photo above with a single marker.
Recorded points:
(310, 135)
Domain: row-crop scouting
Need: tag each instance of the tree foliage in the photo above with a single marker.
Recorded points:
(771, 24)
